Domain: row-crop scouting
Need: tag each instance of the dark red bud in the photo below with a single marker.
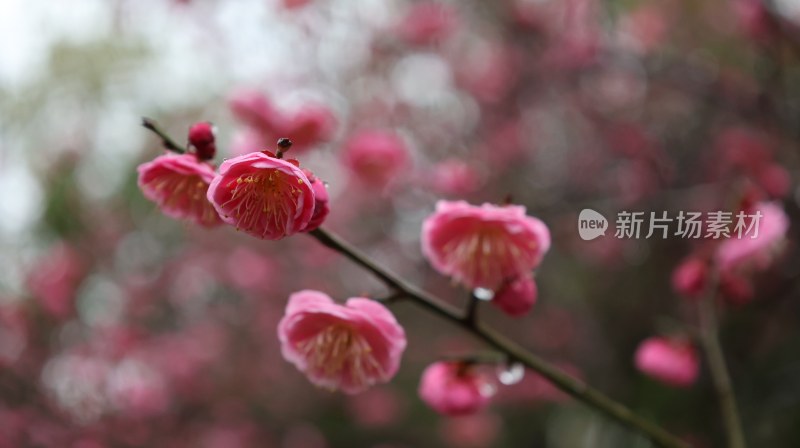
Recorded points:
(202, 138)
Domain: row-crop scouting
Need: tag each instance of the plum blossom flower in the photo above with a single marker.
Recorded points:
(690, 277)
(736, 254)
(178, 184)
(454, 388)
(455, 177)
(673, 362)
(375, 157)
(321, 198)
(483, 246)
(348, 347)
(516, 297)
(307, 126)
(262, 195)
(427, 23)
(54, 279)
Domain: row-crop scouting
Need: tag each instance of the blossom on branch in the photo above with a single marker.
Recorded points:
(262, 195)
(483, 246)
(347, 347)
(178, 184)
(454, 388)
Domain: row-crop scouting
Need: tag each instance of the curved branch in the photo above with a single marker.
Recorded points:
(576, 388)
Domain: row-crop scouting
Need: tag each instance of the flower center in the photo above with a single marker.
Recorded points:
(265, 200)
(487, 254)
(339, 351)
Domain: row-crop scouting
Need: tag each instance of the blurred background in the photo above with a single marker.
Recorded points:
(120, 327)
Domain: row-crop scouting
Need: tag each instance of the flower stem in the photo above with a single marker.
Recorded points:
(471, 314)
(514, 351)
(719, 371)
(166, 140)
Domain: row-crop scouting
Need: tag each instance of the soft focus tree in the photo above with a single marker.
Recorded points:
(445, 150)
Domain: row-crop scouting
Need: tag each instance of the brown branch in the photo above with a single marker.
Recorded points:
(514, 351)
(720, 378)
(166, 140)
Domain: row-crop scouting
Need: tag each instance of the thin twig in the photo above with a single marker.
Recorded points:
(514, 351)
(719, 371)
(472, 308)
(166, 140)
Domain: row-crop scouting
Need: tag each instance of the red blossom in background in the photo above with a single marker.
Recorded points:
(453, 388)
(673, 362)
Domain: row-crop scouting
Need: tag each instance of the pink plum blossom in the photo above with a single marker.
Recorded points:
(455, 177)
(673, 362)
(482, 430)
(483, 246)
(689, 278)
(348, 347)
(178, 184)
(375, 157)
(252, 108)
(454, 388)
(307, 126)
(427, 23)
(54, 279)
(262, 195)
(744, 253)
(321, 198)
(516, 297)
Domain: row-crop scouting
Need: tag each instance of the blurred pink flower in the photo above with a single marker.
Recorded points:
(54, 279)
(690, 276)
(178, 184)
(321, 208)
(349, 347)
(295, 4)
(673, 362)
(755, 20)
(774, 179)
(137, 390)
(483, 246)
(427, 23)
(245, 141)
(252, 108)
(736, 289)
(377, 407)
(516, 297)
(264, 196)
(471, 431)
(249, 270)
(737, 254)
(455, 177)
(644, 29)
(488, 72)
(309, 125)
(375, 157)
(454, 388)
(13, 334)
